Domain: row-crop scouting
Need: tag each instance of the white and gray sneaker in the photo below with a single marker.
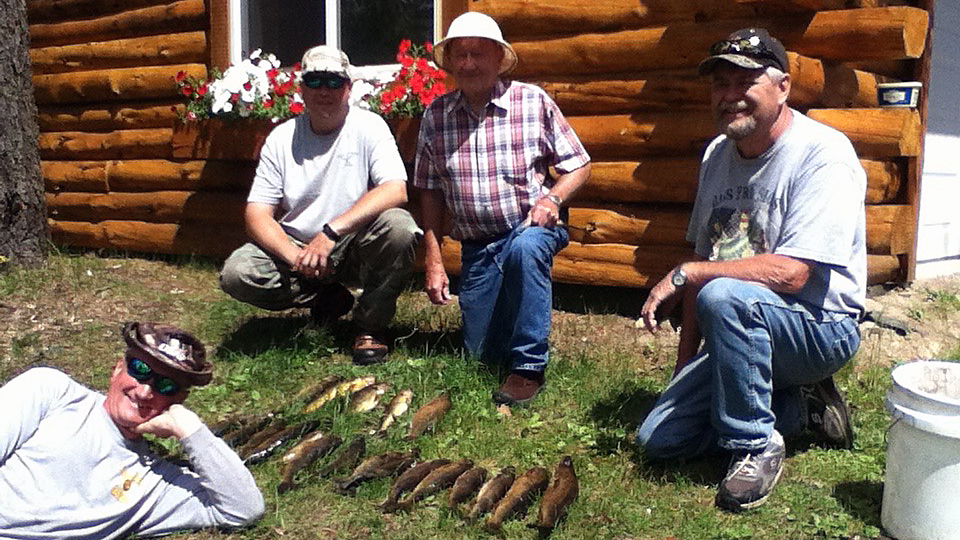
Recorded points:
(751, 476)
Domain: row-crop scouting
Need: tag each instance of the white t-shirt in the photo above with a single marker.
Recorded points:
(803, 197)
(314, 178)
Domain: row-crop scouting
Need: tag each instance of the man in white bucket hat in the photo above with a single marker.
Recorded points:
(483, 158)
(778, 284)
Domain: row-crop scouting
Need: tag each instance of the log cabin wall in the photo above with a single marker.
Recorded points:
(103, 72)
(623, 72)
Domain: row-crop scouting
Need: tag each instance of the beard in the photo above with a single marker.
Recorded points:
(741, 127)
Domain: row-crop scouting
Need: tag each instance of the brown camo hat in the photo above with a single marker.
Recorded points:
(170, 348)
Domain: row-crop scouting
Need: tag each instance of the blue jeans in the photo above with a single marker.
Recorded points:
(506, 295)
(759, 347)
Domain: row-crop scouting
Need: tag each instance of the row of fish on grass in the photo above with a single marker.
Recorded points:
(499, 497)
(258, 437)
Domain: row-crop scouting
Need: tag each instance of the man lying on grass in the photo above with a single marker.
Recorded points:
(73, 463)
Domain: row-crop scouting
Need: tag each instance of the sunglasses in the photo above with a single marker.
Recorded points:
(744, 47)
(323, 80)
(139, 370)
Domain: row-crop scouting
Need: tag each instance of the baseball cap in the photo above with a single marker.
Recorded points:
(169, 349)
(476, 24)
(750, 48)
(327, 59)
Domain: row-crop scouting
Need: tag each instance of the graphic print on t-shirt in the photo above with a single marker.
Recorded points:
(734, 234)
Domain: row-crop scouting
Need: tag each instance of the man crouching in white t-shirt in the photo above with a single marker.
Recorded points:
(324, 211)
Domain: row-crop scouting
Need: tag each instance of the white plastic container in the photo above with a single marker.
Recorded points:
(900, 94)
(921, 491)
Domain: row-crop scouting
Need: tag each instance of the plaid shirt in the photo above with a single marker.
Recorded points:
(493, 169)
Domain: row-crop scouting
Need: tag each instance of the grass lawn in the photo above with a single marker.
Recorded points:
(604, 375)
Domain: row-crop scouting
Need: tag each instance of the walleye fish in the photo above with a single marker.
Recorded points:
(466, 485)
(313, 391)
(312, 446)
(346, 388)
(376, 467)
(524, 489)
(225, 425)
(492, 491)
(428, 415)
(367, 397)
(275, 426)
(397, 407)
(407, 481)
(240, 436)
(440, 478)
(337, 389)
(269, 446)
(347, 458)
(562, 491)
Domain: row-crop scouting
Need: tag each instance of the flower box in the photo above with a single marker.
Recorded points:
(216, 138)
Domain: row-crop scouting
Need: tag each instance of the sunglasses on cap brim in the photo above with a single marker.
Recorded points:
(144, 374)
(323, 80)
(745, 47)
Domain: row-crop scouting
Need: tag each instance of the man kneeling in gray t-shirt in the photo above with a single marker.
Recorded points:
(324, 210)
(778, 226)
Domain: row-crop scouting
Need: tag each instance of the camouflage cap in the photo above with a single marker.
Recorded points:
(170, 349)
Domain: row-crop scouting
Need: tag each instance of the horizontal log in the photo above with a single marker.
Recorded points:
(100, 117)
(62, 10)
(655, 179)
(524, 18)
(621, 265)
(154, 207)
(890, 229)
(200, 238)
(814, 84)
(902, 70)
(181, 16)
(644, 133)
(876, 133)
(147, 175)
(126, 144)
(807, 5)
(840, 36)
(214, 138)
(638, 225)
(122, 84)
(162, 50)
(674, 180)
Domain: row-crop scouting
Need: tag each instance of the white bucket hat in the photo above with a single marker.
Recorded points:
(476, 24)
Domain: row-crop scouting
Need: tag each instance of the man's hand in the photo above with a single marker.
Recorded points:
(663, 291)
(312, 260)
(437, 285)
(177, 421)
(545, 213)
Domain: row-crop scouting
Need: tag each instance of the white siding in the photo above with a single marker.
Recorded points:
(938, 240)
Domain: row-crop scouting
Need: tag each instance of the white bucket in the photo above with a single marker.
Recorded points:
(921, 491)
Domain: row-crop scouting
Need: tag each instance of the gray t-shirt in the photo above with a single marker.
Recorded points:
(67, 472)
(803, 197)
(314, 178)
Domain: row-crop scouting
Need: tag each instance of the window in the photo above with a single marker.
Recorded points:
(367, 30)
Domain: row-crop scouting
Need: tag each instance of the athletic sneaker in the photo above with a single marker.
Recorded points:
(827, 414)
(751, 476)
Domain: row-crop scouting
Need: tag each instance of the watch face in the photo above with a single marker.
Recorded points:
(679, 278)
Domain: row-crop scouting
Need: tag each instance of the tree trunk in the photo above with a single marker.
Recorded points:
(23, 229)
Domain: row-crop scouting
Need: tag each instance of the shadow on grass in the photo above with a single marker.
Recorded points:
(862, 499)
(595, 299)
(441, 342)
(257, 335)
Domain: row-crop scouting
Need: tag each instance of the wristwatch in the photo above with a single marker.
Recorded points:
(553, 198)
(330, 233)
(679, 277)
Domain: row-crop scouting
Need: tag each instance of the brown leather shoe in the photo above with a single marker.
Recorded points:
(368, 349)
(333, 301)
(519, 387)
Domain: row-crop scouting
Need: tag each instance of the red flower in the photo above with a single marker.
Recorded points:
(186, 90)
(181, 75)
(296, 108)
